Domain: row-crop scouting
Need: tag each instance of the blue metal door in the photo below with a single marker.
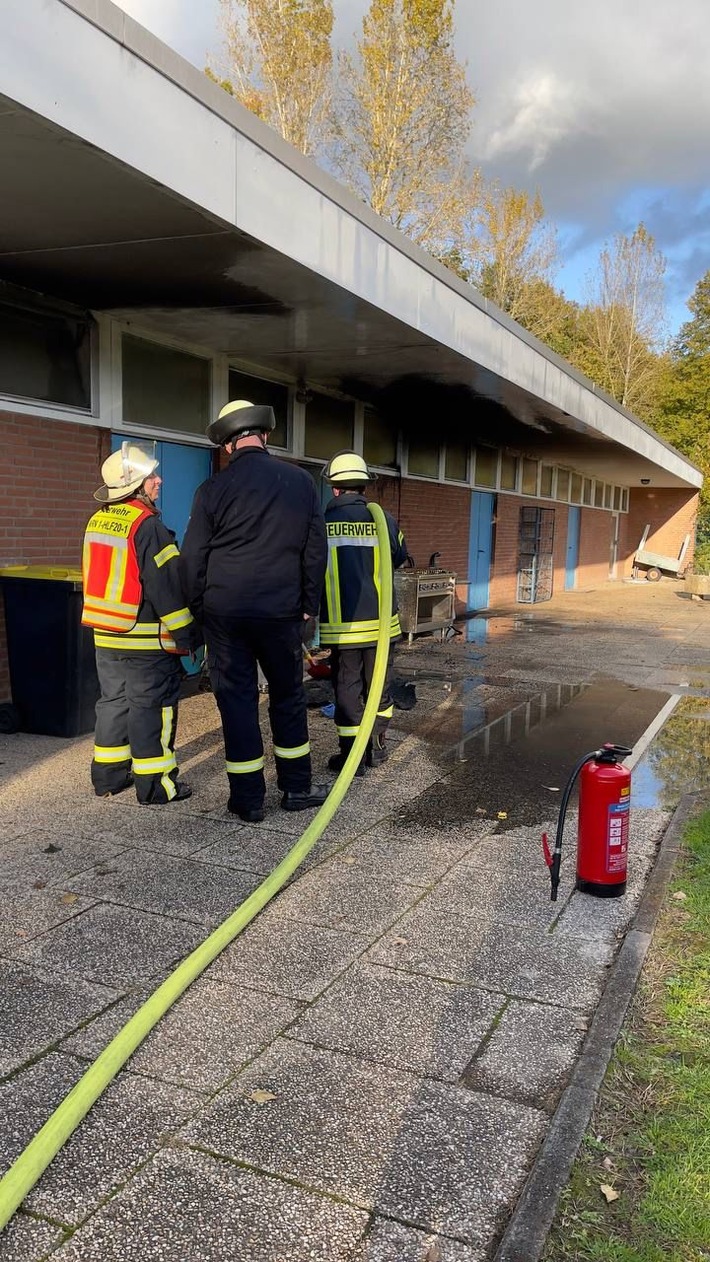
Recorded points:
(572, 557)
(182, 468)
(480, 548)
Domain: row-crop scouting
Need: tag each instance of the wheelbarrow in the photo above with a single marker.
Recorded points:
(655, 563)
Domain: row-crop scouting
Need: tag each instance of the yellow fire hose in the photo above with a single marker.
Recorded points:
(32, 1163)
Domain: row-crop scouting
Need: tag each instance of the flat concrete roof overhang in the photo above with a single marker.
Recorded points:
(136, 186)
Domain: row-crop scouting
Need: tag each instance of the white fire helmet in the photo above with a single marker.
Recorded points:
(125, 471)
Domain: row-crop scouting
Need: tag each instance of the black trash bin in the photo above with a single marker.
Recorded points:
(51, 656)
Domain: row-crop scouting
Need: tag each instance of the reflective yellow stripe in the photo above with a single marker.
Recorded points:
(386, 714)
(110, 641)
(180, 618)
(116, 606)
(376, 575)
(243, 768)
(167, 781)
(297, 751)
(112, 753)
(360, 634)
(333, 565)
(167, 552)
(347, 731)
(153, 766)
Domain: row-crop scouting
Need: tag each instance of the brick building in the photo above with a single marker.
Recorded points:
(161, 251)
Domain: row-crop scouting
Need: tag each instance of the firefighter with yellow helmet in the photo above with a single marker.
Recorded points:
(134, 603)
(350, 608)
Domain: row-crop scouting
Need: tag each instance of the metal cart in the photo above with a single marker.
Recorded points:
(656, 563)
(427, 600)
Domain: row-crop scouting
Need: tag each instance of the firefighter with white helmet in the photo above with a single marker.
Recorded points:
(252, 563)
(134, 602)
(350, 608)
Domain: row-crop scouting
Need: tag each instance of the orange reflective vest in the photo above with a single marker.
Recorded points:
(113, 592)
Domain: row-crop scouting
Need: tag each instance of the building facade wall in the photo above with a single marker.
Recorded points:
(50, 468)
(48, 472)
(671, 514)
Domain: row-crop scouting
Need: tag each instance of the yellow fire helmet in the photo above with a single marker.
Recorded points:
(125, 471)
(346, 468)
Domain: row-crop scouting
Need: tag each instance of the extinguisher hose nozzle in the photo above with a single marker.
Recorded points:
(557, 852)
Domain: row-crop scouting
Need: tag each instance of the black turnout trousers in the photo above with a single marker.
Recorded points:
(234, 648)
(352, 670)
(136, 721)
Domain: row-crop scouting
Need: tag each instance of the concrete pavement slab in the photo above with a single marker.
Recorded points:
(28, 1239)
(210, 1033)
(529, 1055)
(49, 856)
(113, 945)
(197, 892)
(522, 962)
(26, 912)
(417, 861)
(191, 1207)
(125, 1125)
(175, 828)
(256, 848)
(354, 898)
(287, 957)
(434, 1155)
(392, 1242)
(397, 1019)
(501, 895)
(38, 1008)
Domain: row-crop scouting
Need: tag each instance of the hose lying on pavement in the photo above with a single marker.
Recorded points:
(41, 1150)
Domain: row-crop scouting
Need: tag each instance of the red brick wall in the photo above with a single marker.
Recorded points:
(48, 472)
(433, 518)
(594, 547)
(670, 512)
(504, 575)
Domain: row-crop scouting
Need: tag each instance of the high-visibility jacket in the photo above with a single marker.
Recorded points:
(350, 608)
(132, 593)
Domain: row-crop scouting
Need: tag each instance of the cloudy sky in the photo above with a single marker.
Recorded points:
(602, 105)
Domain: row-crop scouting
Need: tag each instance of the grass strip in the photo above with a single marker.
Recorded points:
(648, 1142)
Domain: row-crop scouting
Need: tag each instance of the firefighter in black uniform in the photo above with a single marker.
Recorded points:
(134, 602)
(350, 609)
(252, 564)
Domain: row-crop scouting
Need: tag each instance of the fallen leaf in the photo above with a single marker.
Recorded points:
(480, 810)
(608, 1164)
(400, 941)
(52, 849)
(552, 788)
(349, 860)
(20, 933)
(262, 1097)
(608, 1193)
(433, 1253)
(502, 815)
(68, 899)
(39, 885)
(680, 897)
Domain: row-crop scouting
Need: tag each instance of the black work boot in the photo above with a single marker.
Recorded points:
(377, 754)
(250, 814)
(304, 801)
(182, 793)
(336, 762)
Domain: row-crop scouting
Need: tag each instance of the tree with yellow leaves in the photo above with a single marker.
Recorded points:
(278, 62)
(623, 321)
(512, 250)
(402, 118)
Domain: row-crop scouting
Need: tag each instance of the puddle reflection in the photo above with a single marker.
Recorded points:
(679, 759)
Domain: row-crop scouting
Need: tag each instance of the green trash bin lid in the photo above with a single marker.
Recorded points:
(59, 573)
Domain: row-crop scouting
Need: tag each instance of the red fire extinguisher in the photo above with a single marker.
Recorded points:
(603, 829)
